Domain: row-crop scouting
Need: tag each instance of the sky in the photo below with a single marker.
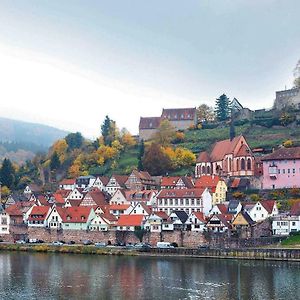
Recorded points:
(69, 63)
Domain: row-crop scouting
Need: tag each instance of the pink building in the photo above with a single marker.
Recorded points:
(281, 169)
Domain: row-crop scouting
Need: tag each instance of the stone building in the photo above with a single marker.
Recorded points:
(180, 119)
(287, 98)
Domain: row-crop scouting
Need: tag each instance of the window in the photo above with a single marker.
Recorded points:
(249, 164)
(283, 171)
(242, 164)
(294, 171)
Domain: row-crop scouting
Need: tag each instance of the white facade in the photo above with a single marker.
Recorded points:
(4, 223)
(75, 195)
(118, 198)
(54, 219)
(99, 224)
(195, 223)
(284, 224)
(99, 184)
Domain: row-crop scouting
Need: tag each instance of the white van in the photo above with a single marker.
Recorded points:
(164, 245)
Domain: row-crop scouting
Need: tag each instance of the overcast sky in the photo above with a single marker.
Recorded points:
(69, 63)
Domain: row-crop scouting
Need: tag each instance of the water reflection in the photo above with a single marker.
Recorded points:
(50, 276)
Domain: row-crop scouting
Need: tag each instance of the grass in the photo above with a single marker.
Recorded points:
(293, 240)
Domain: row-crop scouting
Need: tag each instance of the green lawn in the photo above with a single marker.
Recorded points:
(292, 241)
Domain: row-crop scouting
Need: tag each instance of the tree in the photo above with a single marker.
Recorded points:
(60, 147)
(141, 155)
(7, 173)
(54, 162)
(109, 131)
(127, 139)
(205, 113)
(297, 75)
(74, 140)
(155, 161)
(165, 133)
(222, 108)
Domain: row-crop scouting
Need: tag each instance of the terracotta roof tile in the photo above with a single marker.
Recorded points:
(149, 122)
(180, 193)
(178, 114)
(283, 154)
(130, 220)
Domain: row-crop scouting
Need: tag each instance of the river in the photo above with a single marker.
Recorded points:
(65, 276)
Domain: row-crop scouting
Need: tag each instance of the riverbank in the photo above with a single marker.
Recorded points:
(277, 254)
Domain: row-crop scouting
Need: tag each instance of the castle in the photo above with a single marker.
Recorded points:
(287, 98)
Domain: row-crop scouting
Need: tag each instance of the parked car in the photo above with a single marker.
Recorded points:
(33, 241)
(87, 242)
(71, 243)
(20, 242)
(57, 243)
(164, 245)
(142, 246)
(100, 244)
(203, 247)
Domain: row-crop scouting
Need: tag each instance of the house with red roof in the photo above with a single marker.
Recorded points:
(103, 222)
(188, 200)
(261, 210)
(94, 198)
(67, 184)
(77, 218)
(147, 197)
(155, 221)
(119, 209)
(140, 209)
(116, 182)
(129, 222)
(119, 197)
(139, 181)
(216, 185)
(101, 183)
(55, 217)
(18, 213)
(227, 158)
(196, 221)
(219, 223)
(38, 216)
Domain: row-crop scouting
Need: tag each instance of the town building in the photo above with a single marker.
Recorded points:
(227, 158)
(285, 224)
(140, 180)
(287, 99)
(116, 182)
(188, 200)
(281, 169)
(261, 210)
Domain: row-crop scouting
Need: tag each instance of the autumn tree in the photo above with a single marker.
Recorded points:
(127, 139)
(7, 173)
(74, 140)
(180, 157)
(297, 75)
(205, 113)
(60, 147)
(155, 161)
(165, 133)
(222, 108)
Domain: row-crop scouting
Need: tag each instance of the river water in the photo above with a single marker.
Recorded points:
(65, 276)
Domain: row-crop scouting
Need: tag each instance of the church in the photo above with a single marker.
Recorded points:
(232, 157)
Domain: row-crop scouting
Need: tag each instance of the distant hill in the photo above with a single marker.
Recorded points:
(20, 140)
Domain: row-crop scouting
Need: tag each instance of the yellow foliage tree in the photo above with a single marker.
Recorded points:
(180, 157)
(60, 147)
(74, 170)
(165, 133)
(5, 191)
(128, 140)
(117, 145)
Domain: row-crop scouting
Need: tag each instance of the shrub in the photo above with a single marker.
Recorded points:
(288, 143)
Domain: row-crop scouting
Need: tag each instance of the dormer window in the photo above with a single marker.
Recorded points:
(82, 217)
(68, 218)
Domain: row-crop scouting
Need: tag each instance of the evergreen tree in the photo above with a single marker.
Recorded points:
(54, 162)
(74, 140)
(7, 173)
(222, 108)
(141, 155)
(109, 131)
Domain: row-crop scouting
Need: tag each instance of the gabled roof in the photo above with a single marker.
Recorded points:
(222, 208)
(246, 217)
(145, 207)
(19, 208)
(76, 214)
(178, 114)
(38, 213)
(199, 215)
(225, 219)
(132, 195)
(149, 122)
(35, 188)
(162, 215)
(207, 181)
(118, 206)
(243, 151)
(109, 217)
(120, 179)
(233, 204)
(268, 205)
(104, 180)
(130, 220)
(58, 198)
(283, 154)
(180, 193)
(97, 196)
(182, 215)
(187, 182)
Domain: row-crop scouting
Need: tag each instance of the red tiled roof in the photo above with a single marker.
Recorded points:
(40, 213)
(268, 205)
(222, 208)
(59, 198)
(181, 193)
(149, 122)
(104, 179)
(207, 181)
(68, 182)
(19, 208)
(243, 151)
(121, 179)
(203, 157)
(109, 217)
(199, 215)
(97, 196)
(283, 154)
(76, 214)
(63, 193)
(130, 220)
(235, 183)
(118, 206)
(162, 215)
(179, 114)
(169, 181)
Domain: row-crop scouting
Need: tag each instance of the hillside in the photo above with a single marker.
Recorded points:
(20, 140)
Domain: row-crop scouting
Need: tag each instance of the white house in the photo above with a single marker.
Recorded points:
(139, 209)
(130, 222)
(285, 224)
(116, 182)
(38, 216)
(76, 194)
(261, 210)
(119, 198)
(67, 184)
(4, 222)
(196, 221)
(100, 183)
(188, 200)
(54, 219)
(99, 224)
